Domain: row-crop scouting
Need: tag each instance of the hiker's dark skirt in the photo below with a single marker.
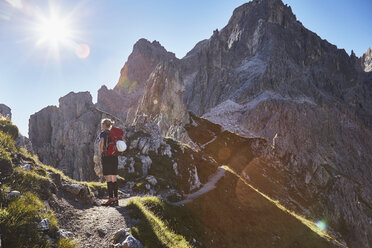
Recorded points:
(110, 165)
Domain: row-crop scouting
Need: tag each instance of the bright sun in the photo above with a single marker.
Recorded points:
(57, 34)
(54, 31)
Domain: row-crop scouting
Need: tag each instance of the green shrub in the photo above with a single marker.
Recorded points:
(19, 220)
(6, 126)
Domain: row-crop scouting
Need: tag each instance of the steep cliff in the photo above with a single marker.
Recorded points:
(63, 136)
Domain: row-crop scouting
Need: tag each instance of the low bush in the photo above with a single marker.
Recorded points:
(18, 222)
(6, 126)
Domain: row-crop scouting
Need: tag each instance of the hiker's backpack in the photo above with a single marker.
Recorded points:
(115, 135)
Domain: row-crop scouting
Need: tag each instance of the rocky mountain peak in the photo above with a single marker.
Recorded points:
(249, 16)
(141, 62)
(268, 10)
(123, 100)
(150, 49)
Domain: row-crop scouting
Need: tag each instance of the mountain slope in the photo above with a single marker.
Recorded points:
(266, 75)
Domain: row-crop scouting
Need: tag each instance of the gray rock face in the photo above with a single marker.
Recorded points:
(5, 111)
(162, 100)
(63, 136)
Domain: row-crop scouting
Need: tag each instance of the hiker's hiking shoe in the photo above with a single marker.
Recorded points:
(115, 202)
(108, 203)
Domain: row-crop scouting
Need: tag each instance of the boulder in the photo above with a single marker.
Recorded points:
(131, 242)
(120, 235)
(63, 234)
(73, 188)
(152, 180)
(44, 224)
(14, 194)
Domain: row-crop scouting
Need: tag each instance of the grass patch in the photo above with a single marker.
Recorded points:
(19, 221)
(30, 181)
(173, 230)
(6, 126)
(56, 171)
(26, 154)
(93, 186)
(66, 243)
(6, 143)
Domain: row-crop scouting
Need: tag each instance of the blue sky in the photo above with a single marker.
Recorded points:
(32, 77)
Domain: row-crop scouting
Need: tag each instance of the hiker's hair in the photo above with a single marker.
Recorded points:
(108, 123)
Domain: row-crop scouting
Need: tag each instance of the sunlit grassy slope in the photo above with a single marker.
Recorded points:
(160, 224)
(19, 216)
(235, 214)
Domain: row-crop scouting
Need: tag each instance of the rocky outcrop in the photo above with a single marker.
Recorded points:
(154, 165)
(366, 60)
(63, 136)
(162, 101)
(5, 111)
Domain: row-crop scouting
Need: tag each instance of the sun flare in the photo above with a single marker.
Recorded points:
(58, 35)
(54, 31)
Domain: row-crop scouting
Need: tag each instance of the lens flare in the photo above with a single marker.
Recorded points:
(321, 225)
(83, 51)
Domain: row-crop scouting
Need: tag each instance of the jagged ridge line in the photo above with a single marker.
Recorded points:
(305, 221)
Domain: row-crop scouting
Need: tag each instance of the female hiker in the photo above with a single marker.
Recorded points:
(109, 164)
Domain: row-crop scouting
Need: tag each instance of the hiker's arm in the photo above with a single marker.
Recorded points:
(101, 146)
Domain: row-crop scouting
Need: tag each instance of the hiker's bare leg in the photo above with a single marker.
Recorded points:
(108, 178)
